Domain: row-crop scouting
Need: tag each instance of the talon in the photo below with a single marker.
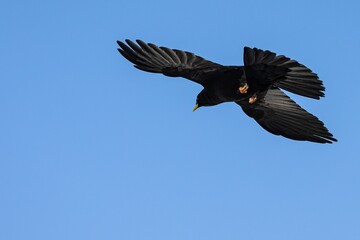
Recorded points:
(243, 88)
(253, 99)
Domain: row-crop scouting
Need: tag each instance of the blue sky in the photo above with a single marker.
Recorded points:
(91, 148)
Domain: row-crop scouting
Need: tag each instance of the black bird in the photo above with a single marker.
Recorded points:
(255, 87)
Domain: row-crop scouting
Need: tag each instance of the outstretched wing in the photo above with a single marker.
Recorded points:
(280, 115)
(171, 62)
(283, 72)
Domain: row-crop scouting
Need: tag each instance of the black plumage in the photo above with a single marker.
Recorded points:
(254, 86)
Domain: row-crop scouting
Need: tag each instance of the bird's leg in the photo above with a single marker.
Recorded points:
(253, 98)
(243, 88)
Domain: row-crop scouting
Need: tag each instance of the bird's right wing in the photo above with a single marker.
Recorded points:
(280, 115)
(171, 62)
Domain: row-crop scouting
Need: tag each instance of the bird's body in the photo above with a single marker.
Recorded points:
(255, 86)
(223, 86)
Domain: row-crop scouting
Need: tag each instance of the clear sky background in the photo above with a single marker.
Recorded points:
(92, 148)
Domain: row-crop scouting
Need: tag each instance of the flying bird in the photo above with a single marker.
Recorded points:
(255, 87)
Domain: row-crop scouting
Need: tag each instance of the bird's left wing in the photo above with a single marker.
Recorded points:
(170, 62)
(280, 115)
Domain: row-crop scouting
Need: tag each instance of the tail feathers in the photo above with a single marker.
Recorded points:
(297, 79)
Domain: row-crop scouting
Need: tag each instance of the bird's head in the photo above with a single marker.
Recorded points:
(204, 99)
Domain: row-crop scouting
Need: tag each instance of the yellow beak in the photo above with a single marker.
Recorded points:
(196, 107)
